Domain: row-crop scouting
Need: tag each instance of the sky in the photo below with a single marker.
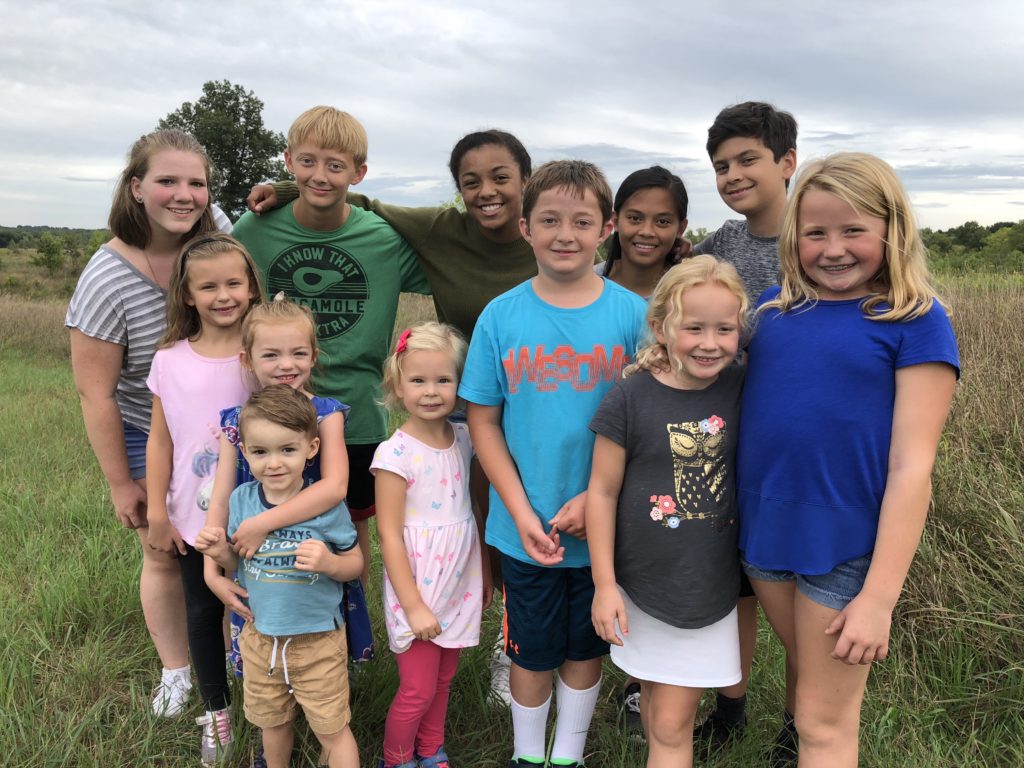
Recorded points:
(935, 88)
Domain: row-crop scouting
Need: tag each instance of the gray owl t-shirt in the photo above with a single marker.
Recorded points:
(676, 522)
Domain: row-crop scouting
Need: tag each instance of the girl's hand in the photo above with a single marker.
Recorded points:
(423, 623)
(262, 197)
(487, 588)
(229, 593)
(129, 502)
(863, 628)
(608, 608)
(542, 547)
(312, 556)
(249, 538)
(163, 536)
(570, 518)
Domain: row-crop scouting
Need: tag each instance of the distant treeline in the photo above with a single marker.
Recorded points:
(967, 248)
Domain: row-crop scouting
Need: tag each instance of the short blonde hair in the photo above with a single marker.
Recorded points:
(871, 186)
(666, 304)
(330, 128)
(426, 336)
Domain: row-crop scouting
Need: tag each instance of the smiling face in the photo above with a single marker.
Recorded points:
(282, 353)
(841, 249)
(491, 185)
(219, 289)
(323, 176)
(428, 385)
(648, 224)
(748, 178)
(704, 337)
(277, 456)
(173, 192)
(565, 231)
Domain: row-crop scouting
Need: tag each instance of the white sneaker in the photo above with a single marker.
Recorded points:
(500, 665)
(171, 696)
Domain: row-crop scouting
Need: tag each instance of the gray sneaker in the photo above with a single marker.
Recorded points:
(215, 748)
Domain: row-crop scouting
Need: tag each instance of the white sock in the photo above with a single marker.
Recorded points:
(575, 710)
(184, 673)
(528, 727)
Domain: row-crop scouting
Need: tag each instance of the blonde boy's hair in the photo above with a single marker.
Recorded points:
(870, 186)
(332, 129)
(281, 405)
(666, 305)
(577, 176)
(426, 336)
(182, 318)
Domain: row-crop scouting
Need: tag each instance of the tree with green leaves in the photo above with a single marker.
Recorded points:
(49, 253)
(228, 121)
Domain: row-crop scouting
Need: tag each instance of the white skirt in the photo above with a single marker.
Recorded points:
(708, 657)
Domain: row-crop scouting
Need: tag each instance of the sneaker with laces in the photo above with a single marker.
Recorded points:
(716, 733)
(501, 666)
(215, 747)
(437, 760)
(171, 696)
(629, 712)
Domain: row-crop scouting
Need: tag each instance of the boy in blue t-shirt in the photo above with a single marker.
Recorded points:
(542, 357)
(296, 653)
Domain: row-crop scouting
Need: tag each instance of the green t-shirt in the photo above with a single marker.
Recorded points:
(466, 270)
(350, 278)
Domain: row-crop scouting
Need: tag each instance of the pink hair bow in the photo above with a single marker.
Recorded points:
(403, 341)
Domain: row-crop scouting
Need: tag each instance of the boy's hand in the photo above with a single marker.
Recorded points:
(249, 538)
(163, 536)
(863, 628)
(423, 623)
(608, 608)
(212, 541)
(312, 556)
(681, 250)
(570, 518)
(542, 547)
(261, 198)
(229, 593)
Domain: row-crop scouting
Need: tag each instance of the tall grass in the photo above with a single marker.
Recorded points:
(76, 665)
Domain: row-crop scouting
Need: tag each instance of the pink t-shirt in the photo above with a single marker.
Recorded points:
(193, 390)
(440, 538)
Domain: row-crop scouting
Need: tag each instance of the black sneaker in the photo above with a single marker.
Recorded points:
(783, 752)
(629, 712)
(716, 733)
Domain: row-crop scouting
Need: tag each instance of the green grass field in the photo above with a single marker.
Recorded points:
(77, 666)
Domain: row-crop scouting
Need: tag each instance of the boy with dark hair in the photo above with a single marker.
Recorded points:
(541, 359)
(753, 151)
(349, 267)
(294, 651)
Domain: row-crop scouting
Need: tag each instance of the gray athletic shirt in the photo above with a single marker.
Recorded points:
(755, 258)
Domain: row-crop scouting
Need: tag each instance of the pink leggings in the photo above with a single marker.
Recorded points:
(416, 719)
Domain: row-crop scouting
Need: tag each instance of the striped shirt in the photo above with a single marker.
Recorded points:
(115, 302)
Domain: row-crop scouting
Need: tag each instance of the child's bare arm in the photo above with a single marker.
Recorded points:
(213, 542)
(923, 396)
(226, 590)
(329, 491)
(602, 500)
(492, 450)
(223, 484)
(159, 465)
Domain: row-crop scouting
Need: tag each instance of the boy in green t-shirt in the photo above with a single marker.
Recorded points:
(349, 267)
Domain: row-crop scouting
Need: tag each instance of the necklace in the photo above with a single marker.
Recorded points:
(150, 265)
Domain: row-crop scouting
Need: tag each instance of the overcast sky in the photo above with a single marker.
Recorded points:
(936, 88)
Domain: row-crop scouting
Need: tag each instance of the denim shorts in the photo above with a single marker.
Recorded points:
(834, 589)
(135, 446)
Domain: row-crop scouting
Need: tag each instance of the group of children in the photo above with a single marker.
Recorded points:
(645, 484)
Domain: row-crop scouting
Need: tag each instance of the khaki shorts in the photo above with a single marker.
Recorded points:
(317, 665)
